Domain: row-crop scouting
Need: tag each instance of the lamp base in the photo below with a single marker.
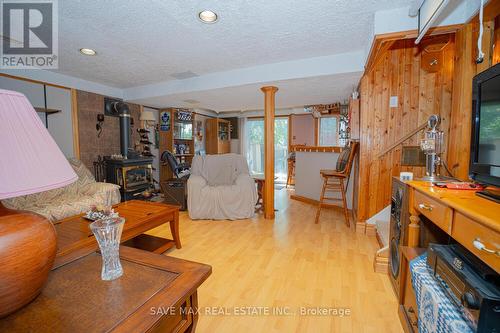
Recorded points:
(28, 245)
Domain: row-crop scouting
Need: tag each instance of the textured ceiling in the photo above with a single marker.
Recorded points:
(143, 42)
(291, 93)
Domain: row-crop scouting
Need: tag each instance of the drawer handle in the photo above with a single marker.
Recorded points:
(425, 207)
(481, 247)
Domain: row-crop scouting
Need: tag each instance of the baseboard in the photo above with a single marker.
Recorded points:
(371, 229)
(361, 227)
(381, 261)
(381, 265)
(316, 202)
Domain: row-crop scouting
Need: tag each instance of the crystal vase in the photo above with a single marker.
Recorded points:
(108, 232)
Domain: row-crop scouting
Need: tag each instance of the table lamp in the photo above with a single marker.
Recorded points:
(30, 162)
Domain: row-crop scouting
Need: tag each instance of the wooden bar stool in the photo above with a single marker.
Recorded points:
(335, 181)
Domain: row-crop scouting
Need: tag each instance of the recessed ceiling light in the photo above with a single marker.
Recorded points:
(207, 16)
(88, 52)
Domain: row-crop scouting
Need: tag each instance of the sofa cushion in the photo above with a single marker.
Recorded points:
(70, 200)
(84, 174)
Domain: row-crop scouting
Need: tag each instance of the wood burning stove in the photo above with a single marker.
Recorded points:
(131, 171)
(134, 176)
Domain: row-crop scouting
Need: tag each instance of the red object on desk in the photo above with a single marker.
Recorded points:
(460, 186)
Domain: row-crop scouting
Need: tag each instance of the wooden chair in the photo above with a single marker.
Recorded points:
(337, 181)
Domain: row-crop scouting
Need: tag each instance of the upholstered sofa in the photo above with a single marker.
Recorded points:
(220, 187)
(70, 200)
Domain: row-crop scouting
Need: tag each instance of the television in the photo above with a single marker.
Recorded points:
(484, 164)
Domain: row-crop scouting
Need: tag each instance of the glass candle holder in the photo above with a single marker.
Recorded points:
(108, 232)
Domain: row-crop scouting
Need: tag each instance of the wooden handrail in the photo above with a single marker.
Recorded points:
(403, 139)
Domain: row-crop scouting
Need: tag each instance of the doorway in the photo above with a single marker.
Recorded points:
(255, 147)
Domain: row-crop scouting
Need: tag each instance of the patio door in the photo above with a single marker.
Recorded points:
(255, 146)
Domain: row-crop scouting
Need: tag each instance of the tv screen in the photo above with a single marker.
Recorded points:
(485, 148)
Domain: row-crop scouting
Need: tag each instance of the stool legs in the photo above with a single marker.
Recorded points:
(321, 198)
(333, 187)
(344, 202)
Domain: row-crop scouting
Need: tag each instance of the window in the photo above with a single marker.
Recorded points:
(328, 131)
(255, 146)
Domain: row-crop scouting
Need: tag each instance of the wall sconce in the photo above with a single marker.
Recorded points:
(98, 126)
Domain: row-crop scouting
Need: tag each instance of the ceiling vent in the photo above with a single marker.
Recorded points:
(184, 75)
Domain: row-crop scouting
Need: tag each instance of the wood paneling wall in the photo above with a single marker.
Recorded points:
(402, 70)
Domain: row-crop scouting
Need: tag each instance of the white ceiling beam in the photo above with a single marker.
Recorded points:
(303, 68)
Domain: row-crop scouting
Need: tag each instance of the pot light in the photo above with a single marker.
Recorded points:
(207, 16)
(88, 52)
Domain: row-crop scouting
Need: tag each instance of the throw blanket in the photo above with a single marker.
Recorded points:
(437, 313)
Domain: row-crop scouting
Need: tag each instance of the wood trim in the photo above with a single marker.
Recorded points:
(380, 48)
(269, 108)
(381, 261)
(361, 227)
(377, 48)
(370, 229)
(74, 122)
(317, 149)
(316, 202)
(34, 81)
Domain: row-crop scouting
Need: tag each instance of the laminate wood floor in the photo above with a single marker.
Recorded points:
(290, 265)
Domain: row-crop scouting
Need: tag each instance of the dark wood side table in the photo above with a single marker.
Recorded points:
(155, 294)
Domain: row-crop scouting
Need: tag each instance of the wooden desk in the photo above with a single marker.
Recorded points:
(463, 215)
(75, 239)
(75, 298)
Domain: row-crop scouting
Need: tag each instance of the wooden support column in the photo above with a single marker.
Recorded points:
(269, 93)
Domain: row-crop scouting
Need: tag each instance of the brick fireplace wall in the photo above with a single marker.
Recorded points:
(91, 146)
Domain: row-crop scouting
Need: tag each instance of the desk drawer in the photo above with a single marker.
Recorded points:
(438, 213)
(466, 232)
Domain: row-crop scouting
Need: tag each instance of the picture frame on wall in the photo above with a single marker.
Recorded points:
(165, 121)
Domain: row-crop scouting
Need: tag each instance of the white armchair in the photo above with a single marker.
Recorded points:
(220, 188)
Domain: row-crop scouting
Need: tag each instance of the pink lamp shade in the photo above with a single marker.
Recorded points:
(30, 160)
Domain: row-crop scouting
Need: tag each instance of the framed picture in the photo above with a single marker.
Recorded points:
(165, 121)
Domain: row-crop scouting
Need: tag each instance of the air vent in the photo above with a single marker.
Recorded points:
(184, 75)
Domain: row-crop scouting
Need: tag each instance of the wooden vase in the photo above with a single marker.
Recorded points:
(28, 245)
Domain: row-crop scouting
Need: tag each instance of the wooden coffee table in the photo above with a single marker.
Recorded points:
(75, 239)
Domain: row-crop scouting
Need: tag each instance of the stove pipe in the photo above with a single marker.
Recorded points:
(124, 114)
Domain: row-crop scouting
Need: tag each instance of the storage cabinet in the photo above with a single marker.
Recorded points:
(176, 136)
(218, 133)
